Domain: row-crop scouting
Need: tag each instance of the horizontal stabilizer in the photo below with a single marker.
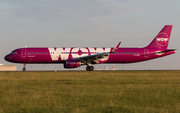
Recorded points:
(162, 52)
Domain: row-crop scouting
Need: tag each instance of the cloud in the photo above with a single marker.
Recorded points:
(69, 10)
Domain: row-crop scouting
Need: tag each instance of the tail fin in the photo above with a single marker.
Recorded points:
(162, 39)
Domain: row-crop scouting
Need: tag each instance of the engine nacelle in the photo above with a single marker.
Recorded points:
(72, 63)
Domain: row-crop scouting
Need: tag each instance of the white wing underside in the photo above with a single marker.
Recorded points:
(94, 58)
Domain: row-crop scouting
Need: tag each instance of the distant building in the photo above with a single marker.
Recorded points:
(8, 67)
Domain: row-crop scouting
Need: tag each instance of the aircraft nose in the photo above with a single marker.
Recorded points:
(7, 58)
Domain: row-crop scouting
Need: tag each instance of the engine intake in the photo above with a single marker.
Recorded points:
(72, 63)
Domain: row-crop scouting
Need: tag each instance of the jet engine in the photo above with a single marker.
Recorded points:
(72, 63)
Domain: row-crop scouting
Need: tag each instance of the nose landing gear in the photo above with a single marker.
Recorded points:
(24, 67)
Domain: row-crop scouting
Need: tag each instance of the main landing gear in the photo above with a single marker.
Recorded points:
(24, 67)
(89, 68)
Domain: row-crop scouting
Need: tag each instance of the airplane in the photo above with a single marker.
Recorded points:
(75, 57)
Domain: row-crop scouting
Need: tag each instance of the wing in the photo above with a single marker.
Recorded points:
(96, 57)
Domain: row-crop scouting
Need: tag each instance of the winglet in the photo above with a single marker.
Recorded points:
(115, 49)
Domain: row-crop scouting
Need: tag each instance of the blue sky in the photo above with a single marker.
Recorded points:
(89, 23)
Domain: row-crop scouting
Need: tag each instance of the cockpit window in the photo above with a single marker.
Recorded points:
(13, 52)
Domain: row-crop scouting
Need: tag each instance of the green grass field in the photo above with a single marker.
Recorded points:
(90, 92)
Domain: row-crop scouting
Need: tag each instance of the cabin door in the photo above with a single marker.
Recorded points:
(146, 53)
(23, 54)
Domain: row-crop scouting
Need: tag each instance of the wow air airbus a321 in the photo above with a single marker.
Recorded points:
(76, 57)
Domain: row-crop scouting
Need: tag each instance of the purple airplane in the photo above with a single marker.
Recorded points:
(75, 57)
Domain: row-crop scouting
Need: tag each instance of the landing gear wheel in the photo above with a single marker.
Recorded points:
(89, 68)
(24, 69)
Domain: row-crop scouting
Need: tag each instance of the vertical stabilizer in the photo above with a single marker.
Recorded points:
(162, 39)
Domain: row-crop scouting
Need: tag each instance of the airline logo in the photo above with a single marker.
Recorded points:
(66, 53)
(162, 39)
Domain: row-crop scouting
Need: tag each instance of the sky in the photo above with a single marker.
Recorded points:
(89, 23)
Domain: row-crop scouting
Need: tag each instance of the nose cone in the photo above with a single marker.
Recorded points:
(7, 58)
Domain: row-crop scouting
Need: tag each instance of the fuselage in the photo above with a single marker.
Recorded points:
(60, 55)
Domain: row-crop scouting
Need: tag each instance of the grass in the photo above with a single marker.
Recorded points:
(90, 92)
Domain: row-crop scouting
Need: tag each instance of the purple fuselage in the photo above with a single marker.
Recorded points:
(60, 55)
